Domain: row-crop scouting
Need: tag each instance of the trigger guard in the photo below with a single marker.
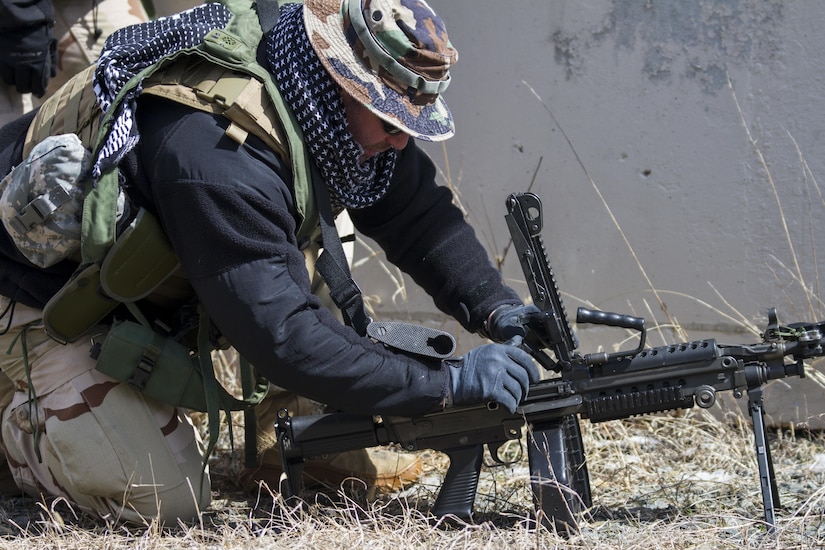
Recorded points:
(494, 448)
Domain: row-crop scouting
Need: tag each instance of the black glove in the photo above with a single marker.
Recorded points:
(508, 321)
(493, 372)
(28, 58)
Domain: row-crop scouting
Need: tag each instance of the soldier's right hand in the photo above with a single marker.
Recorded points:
(492, 372)
(28, 58)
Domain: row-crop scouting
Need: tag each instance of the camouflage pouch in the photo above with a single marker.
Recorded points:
(165, 370)
(41, 200)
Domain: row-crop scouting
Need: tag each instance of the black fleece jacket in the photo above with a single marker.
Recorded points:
(229, 212)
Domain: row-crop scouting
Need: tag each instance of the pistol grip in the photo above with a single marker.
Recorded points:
(460, 483)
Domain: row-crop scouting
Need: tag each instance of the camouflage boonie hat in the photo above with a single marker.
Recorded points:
(41, 200)
(393, 56)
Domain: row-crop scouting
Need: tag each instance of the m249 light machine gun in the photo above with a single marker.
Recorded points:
(596, 386)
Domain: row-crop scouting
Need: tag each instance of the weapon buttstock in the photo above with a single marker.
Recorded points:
(460, 483)
(558, 473)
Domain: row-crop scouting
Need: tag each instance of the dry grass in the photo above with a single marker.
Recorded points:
(658, 482)
(667, 481)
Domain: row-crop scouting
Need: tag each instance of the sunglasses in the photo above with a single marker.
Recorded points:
(391, 129)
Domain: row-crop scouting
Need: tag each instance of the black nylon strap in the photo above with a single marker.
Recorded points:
(333, 267)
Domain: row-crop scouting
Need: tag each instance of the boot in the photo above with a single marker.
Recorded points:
(379, 468)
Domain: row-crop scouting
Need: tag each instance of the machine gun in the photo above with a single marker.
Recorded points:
(597, 386)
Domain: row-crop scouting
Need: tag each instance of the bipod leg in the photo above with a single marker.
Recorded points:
(291, 481)
(767, 479)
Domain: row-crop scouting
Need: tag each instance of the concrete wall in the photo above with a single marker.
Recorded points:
(677, 146)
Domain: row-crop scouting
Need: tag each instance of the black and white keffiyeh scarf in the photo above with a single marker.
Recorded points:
(130, 50)
(316, 102)
(306, 86)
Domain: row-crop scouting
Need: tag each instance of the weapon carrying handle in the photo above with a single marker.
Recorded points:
(596, 317)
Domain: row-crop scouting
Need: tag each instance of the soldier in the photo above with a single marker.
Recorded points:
(244, 132)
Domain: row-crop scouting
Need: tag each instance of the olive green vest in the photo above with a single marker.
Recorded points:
(219, 75)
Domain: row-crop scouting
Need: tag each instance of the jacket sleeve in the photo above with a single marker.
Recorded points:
(282, 330)
(227, 210)
(425, 235)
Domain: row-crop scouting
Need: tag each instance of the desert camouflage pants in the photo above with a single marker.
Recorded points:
(70, 431)
(77, 45)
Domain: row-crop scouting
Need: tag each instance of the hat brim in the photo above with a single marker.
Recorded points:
(324, 25)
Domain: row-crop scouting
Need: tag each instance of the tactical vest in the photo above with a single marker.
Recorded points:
(220, 76)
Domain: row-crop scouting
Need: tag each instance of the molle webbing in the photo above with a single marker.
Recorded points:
(200, 85)
(73, 109)
(215, 89)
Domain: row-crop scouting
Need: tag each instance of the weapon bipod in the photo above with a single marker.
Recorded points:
(767, 479)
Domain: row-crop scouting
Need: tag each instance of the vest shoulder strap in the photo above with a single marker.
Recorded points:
(237, 96)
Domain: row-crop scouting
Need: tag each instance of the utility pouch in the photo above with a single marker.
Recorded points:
(152, 364)
(134, 266)
(77, 306)
(139, 261)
